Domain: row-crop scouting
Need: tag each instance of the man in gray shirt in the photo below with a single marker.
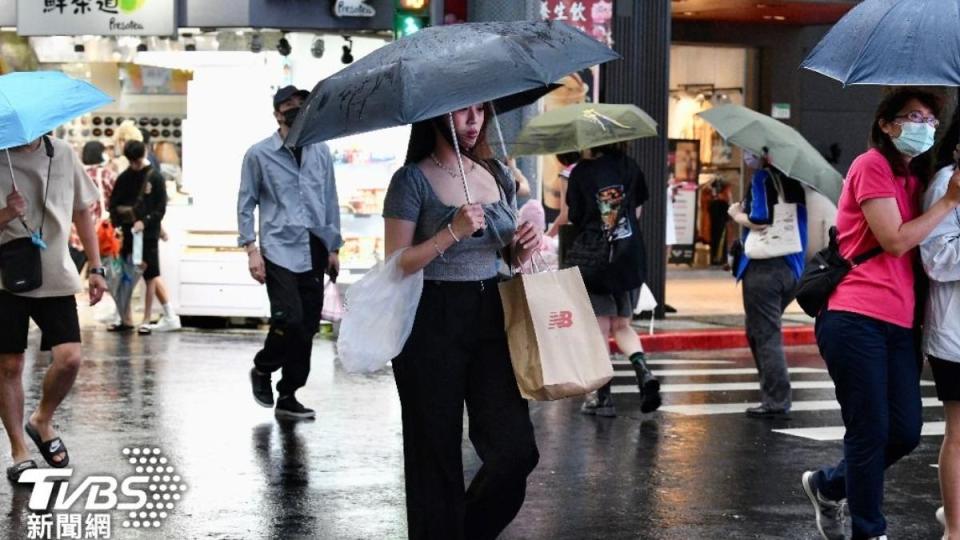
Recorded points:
(296, 193)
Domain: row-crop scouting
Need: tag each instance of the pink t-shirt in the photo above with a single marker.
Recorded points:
(881, 288)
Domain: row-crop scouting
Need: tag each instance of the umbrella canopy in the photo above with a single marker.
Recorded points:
(893, 42)
(34, 103)
(442, 69)
(582, 126)
(785, 148)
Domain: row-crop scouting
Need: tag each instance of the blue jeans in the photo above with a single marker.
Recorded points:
(875, 368)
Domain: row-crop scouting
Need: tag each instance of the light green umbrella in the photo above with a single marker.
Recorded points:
(785, 148)
(582, 126)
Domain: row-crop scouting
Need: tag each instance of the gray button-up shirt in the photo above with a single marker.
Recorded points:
(295, 201)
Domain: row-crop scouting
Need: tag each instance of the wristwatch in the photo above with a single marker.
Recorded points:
(101, 271)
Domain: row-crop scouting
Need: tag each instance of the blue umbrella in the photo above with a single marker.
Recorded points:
(33, 103)
(893, 42)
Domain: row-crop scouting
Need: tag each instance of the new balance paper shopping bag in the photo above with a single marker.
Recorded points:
(556, 346)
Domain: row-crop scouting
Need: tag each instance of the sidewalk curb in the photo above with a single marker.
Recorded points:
(716, 339)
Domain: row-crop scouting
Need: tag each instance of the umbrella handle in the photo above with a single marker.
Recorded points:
(10, 164)
(496, 125)
(463, 175)
(456, 148)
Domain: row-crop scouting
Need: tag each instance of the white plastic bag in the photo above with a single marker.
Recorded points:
(138, 248)
(378, 316)
(332, 303)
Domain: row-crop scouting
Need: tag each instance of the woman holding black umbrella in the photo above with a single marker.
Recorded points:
(866, 333)
(457, 351)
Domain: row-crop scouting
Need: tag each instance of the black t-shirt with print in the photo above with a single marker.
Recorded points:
(604, 193)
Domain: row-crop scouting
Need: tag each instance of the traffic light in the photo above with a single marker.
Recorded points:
(412, 16)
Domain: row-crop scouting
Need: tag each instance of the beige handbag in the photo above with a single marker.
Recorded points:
(556, 346)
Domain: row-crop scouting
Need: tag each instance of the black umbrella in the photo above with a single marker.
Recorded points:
(442, 69)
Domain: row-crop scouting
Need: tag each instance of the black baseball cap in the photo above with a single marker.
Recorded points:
(286, 93)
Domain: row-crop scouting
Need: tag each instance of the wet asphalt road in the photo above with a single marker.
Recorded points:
(662, 476)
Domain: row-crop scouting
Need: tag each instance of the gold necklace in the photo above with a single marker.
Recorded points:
(448, 170)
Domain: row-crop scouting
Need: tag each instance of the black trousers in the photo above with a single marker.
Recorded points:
(296, 300)
(458, 353)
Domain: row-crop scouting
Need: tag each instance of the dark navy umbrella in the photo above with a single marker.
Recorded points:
(893, 42)
(442, 69)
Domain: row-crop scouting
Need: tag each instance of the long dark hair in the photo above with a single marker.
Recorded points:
(891, 105)
(423, 140)
(949, 142)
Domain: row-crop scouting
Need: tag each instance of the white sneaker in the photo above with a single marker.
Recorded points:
(942, 519)
(167, 324)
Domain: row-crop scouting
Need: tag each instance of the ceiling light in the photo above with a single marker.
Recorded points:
(318, 47)
(283, 47)
(347, 57)
(688, 13)
(779, 18)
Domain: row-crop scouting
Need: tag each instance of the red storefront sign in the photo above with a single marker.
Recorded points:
(594, 17)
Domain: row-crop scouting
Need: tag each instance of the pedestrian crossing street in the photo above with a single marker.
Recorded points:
(706, 396)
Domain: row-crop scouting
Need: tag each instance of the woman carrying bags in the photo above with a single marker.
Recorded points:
(457, 351)
(866, 333)
(770, 281)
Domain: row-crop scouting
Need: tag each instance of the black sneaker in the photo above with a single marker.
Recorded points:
(762, 411)
(648, 383)
(289, 407)
(262, 388)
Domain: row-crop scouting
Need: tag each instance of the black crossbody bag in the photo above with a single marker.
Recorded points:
(824, 273)
(20, 259)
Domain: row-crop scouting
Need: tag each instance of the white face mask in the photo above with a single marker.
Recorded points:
(915, 138)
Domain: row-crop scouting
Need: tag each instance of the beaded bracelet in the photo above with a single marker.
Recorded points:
(450, 230)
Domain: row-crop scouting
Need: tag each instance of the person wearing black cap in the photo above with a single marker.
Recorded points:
(295, 190)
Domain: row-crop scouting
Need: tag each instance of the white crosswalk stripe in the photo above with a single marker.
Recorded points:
(705, 409)
(721, 387)
(835, 433)
(679, 393)
(672, 362)
(719, 371)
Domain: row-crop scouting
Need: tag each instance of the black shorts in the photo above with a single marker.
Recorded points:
(151, 256)
(946, 375)
(56, 317)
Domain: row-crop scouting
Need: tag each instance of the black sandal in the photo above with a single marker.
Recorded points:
(49, 448)
(14, 471)
(119, 328)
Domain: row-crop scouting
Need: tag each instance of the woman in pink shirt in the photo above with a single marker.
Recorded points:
(867, 333)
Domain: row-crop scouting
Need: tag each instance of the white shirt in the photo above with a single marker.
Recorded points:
(941, 260)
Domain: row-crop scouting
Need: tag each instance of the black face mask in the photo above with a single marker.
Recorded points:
(290, 116)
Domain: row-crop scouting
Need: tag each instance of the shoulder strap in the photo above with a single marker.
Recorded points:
(48, 146)
(864, 257)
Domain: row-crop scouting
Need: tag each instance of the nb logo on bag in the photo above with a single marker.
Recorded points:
(560, 319)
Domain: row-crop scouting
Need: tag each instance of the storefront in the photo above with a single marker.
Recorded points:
(705, 173)
(204, 96)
